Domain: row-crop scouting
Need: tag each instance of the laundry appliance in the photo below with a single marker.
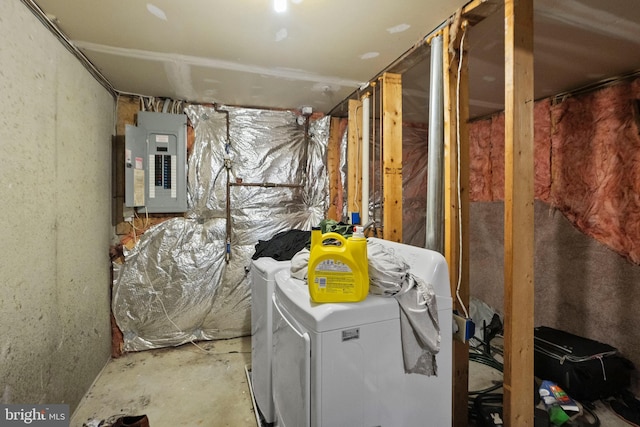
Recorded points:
(341, 364)
(262, 278)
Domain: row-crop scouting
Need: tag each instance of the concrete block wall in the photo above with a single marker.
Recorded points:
(56, 123)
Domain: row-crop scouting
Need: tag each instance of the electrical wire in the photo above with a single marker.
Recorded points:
(145, 225)
(66, 42)
(496, 386)
(164, 309)
(358, 154)
(485, 394)
(382, 219)
(464, 308)
(373, 151)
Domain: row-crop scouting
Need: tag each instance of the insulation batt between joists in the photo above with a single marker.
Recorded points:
(587, 162)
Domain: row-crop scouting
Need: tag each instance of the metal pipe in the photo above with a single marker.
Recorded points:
(227, 165)
(227, 255)
(230, 184)
(435, 164)
(226, 112)
(264, 184)
(366, 114)
(373, 158)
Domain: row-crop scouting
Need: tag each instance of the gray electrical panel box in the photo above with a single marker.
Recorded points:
(156, 163)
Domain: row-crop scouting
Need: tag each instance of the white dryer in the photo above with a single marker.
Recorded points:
(341, 364)
(262, 278)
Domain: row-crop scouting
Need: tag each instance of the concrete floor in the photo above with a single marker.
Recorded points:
(183, 386)
(204, 386)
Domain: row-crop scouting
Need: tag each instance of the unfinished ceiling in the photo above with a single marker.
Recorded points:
(319, 52)
(243, 52)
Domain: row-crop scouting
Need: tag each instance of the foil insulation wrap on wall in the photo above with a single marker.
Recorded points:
(177, 285)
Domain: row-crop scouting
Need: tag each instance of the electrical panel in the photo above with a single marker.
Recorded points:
(156, 163)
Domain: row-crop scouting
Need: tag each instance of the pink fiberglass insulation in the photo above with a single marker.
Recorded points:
(486, 140)
(596, 166)
(497, 157)
(480, 161)
(587, 162)
(542, 149)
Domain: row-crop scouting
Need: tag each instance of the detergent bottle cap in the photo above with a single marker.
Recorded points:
(358, 231)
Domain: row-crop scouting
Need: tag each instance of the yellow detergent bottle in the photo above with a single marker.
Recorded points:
(338, 267)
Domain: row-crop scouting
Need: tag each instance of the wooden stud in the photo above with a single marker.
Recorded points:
(128, 108)
(456, 215)
(518, 214)
(451, 249)
(392, 156)
(117, 177)
(333, 170)
(354, 157)
(461, 350)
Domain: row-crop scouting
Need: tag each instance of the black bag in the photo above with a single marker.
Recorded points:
(587, 370)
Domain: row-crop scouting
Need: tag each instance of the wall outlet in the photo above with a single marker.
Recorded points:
(463, 328)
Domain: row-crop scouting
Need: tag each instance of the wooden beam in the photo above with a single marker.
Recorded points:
(392, 156)
(456, 202)
(477, 10)
(451, 245)
(518, 214)
(117, 177)
(354, 157)
(333, 170)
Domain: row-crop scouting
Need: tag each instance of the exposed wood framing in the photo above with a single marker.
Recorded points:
(127, 108)
(477, 10)
(117, 176)
(354, 157)
(456, 215)
(392, 156)
(333, 168)
(456, 201)
(518, 214)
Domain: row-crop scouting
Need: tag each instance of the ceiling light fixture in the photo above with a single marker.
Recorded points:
(280, 6)
(156, 11)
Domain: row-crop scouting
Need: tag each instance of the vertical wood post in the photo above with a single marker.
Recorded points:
(354, 157)
(392, 156)
(456, 213)
(518, 214)
(333, 170)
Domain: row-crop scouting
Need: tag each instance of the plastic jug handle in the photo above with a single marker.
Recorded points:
(336, 236)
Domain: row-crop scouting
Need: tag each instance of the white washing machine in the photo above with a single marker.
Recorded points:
(263, 271)
(341, 364)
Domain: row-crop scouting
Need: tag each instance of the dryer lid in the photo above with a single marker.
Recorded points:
(293, 295)
(268, 267)
(427, 264)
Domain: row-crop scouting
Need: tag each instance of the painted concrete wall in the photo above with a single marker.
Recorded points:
(56, 123)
